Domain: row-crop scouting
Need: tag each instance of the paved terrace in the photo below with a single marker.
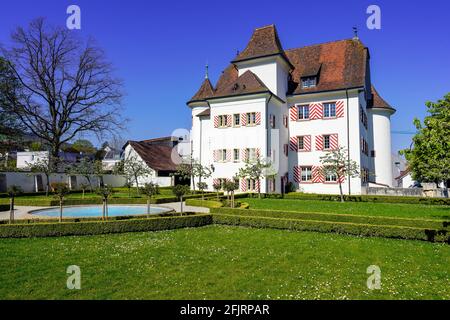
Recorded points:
(22, 212)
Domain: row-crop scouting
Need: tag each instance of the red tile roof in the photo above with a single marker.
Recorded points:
(158, 157)
(247, 83)
(206, 90)
(378, 101)
(264, 42)
(338, 65)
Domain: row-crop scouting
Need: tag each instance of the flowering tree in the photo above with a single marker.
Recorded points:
(337, 163)
(256, 169)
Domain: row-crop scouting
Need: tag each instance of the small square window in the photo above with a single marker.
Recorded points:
(309, 82)
(301, 144)
(236, 155)
(329, 110)
(237, 120)
(303, 112)
(326, 142)
(306, 174)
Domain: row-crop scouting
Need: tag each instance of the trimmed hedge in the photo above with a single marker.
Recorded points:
(204, 203)
(85, 219)
(334, 217)
(103, 227)
(52, 202)
(366, 230)
(368, 198)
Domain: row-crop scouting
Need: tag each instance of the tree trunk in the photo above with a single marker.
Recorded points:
(181, 205)
(82, 197)
(148, 206)
(232, 199)
(11, 210)
(60, 210)
(103, 210)
(340, 190)
(47, 187)
(137, 185)
(106, 208)
(203, 196)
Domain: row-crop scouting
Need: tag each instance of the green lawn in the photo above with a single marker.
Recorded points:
(357, 208)
(219, 262)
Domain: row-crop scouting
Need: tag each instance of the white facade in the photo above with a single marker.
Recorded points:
(27, 158)
(280, 132)
(130, 153)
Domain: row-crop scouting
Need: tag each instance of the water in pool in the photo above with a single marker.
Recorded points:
(96, 211)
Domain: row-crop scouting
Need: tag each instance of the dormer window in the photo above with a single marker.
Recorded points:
(309, 82)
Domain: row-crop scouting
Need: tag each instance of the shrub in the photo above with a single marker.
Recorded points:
(369, 198)
(98, 227)
(334, 217)
(366, 230)
(4, 207)
(204, 203)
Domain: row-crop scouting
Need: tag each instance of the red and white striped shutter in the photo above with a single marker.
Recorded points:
(296, 173)
(293, 112)
(258, 185)
(315, 111)
(216, 155)
(215, 181)
(229, 120)
(229, 154)
(334, 142)
(342, 178)
(244, 154)
(319, 143)
(258, 118)
(317, 174)
(307, 143)
(244, 185)
(258, 152)
(293, 143)
(216, 121)
(243, 119)
(339, 109)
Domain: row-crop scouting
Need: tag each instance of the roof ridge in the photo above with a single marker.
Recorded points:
(318, 44)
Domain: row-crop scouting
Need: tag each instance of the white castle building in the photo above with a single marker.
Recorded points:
(292, 106)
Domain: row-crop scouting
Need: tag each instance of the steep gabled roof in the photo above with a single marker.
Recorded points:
(264, 42)
(378, 101)
(206, 90)
(247, 83)
(157, 157)
(338, 65)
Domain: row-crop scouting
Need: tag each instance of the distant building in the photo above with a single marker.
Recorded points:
(112, 158)
(27, 158)
(405, 180)
(160, 155)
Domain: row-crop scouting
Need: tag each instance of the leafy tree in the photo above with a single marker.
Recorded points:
(136, 168)
(84, 146)
(150, 189)
(85, 168)
(256, 169)
(337, 163)
(230, 187)
(202, 186)
(47, 166)
(104, 192)
(429, 158)
(11, 128)
(61, 190)
(84, 187)
(12, 191)
(200, 171)
(217, 186)
(185, 171)
(179, 191)
(60, 87)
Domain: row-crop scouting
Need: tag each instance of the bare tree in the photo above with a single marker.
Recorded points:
(63, 87)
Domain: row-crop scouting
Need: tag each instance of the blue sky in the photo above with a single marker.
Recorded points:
(159, 48)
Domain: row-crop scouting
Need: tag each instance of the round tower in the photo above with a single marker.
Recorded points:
(381, 112)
